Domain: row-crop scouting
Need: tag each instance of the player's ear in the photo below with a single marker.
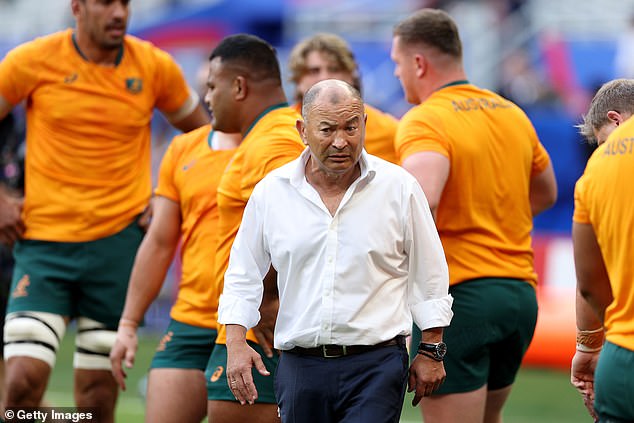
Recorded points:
(240, 88)
(74, 7)
(421, 65)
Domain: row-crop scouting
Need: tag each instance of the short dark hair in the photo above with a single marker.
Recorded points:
(433, 28)
(254, 56)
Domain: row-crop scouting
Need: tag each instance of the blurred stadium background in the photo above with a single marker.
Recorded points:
(549, 56)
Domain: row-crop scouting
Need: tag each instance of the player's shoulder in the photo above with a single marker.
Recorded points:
(282, 116)
(45, 45)
(145, 49)
(277, 127)
(181, 140)
(373, 111)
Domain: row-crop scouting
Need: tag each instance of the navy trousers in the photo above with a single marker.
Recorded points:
(360, 388)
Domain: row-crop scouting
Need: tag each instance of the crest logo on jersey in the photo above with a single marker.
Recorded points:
(217, 373)
(69, 79)
(20, 287)
(134, 85)
(163, 342)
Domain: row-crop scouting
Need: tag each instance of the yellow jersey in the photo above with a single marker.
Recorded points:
(189, 175)
(88, 132)
(484, 215)
(604, 198)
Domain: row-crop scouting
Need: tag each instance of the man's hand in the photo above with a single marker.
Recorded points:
(425, 376)
(124, 350)
(582, 377)
(241, 358)
(11, 225)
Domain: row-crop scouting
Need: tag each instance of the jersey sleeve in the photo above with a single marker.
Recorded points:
(541, 159)
(581, 214)
(18, 73)
(166, 186)
(418, 132)
(171, 87)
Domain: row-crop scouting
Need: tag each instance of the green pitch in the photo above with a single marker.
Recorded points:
(543, 396)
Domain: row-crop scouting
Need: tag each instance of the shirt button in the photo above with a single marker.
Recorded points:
(325, 326)
(329, 259)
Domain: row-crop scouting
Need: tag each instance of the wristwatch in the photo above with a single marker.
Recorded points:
(434, 351)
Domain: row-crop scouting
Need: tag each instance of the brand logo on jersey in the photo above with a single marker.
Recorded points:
(189, 165)
(217, 374)
(20, 287)
(134, 85)
(71, 78)
(163, 342)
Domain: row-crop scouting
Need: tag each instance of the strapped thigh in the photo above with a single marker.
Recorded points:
(33, 334)
(93, 344)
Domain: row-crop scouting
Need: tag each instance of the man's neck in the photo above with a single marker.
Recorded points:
(330, 182)
(442, 79)
(260, 106)
(95, 54)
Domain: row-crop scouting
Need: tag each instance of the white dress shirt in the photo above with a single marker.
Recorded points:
(355, 278)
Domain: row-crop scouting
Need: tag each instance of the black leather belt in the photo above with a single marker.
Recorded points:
(334, 351)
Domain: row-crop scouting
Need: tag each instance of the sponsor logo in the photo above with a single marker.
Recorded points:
(20, 287)
(217, 374)
(163, 342)
(134, 85)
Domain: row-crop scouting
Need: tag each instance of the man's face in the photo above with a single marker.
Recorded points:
(334, 130)
(219, 98)
(320, 66)
(104, 21)
(404, 69)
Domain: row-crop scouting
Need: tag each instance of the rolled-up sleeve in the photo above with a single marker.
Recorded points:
(248, 264)
(428, 283)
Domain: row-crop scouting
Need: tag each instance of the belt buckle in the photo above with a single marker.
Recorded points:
(324, 349)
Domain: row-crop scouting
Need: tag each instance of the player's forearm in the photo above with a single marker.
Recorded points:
(586, 318)
(543, 191)
(150, 267)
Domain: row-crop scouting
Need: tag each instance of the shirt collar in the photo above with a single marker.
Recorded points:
(297, 173)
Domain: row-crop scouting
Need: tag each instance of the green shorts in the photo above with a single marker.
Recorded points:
(184, 346)
(87, 279)
(614, 384)
(493, 324)
(217, 386)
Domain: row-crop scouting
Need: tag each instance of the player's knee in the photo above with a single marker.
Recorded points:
(93, 345)
(33, 334)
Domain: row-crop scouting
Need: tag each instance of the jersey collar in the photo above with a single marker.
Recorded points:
(117, 60)
(261, 115)
(453, 83)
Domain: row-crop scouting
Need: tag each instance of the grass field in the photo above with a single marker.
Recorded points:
(539, 395)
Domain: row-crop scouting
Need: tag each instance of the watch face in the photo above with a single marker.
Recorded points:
(441, 349)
